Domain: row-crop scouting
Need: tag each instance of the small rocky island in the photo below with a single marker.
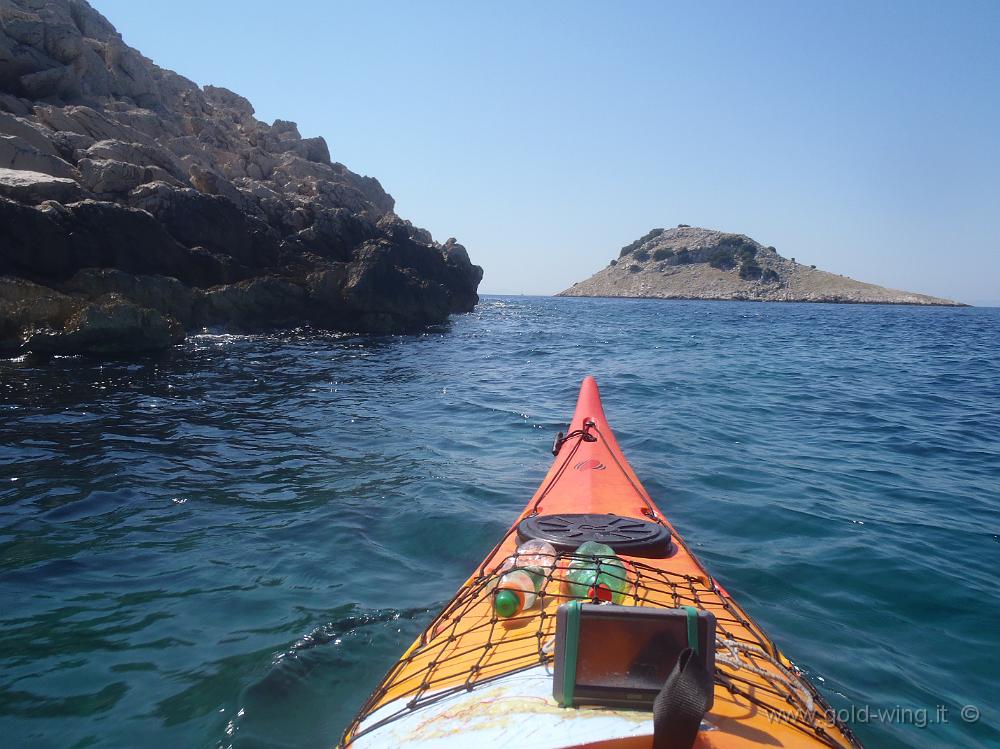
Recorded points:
(692, 263)
(135, 205)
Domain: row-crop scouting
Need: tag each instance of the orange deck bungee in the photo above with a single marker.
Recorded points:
(476, 680)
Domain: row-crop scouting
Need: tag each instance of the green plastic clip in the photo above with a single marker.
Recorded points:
(692, 622)
(572, 647)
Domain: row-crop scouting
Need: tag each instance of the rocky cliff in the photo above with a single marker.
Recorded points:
(135, 205)
(692, 263)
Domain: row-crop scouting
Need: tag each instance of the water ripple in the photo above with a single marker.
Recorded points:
(228, 544)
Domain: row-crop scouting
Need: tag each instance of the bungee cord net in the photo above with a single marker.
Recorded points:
(469, 645)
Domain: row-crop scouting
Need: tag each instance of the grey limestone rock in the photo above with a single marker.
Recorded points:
(203, 214)
(36, 187)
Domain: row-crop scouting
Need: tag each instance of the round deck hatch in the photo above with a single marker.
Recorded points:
(632, 536)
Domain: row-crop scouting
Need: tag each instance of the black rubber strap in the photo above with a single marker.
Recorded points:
(682, 703)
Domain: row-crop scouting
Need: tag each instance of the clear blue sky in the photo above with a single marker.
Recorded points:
(862, 137)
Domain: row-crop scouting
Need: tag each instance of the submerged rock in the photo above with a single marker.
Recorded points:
(134, 204)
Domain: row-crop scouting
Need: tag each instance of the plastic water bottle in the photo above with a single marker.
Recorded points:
(581, 576)
(532, 563)
(597, 573)
(514, 593)
(537, 558)
(612, 581)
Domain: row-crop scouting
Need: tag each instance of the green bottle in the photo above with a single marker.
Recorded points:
(597, 573)
(612, 581)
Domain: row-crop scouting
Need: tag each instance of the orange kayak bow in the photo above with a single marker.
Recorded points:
(474, 679)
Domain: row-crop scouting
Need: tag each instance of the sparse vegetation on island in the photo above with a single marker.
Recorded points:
(632, 247)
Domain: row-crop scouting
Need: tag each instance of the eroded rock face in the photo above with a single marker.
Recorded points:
(134, 204)
(109, 325)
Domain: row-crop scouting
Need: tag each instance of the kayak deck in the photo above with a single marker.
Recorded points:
(474, 679)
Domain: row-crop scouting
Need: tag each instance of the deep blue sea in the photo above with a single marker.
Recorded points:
(229, 543)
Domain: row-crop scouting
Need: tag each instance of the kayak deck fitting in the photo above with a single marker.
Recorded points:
(476, 679)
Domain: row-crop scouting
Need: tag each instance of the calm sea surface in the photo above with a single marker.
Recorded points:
(229, 544)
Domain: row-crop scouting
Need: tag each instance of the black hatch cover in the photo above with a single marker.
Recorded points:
(632, 536)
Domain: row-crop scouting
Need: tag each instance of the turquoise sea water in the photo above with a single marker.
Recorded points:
(228, 544)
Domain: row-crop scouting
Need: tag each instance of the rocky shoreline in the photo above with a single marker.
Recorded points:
(136, 205)
(694, 263)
